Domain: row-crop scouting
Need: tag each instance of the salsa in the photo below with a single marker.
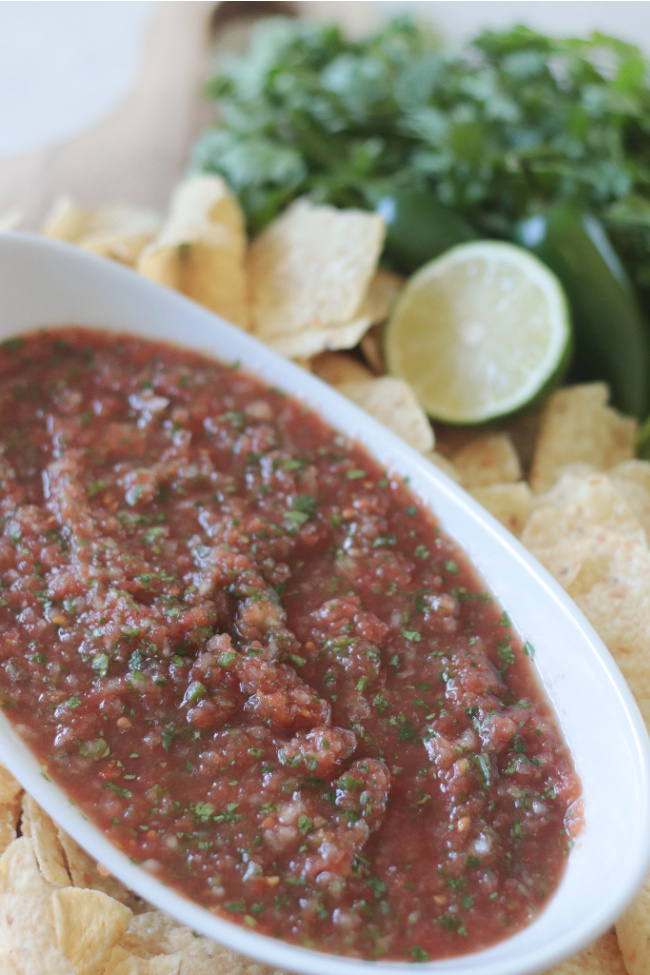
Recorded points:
(255, 660)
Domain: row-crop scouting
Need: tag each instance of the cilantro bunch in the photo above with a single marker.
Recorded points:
(511, 123)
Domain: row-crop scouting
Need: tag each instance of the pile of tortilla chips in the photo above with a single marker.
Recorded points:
(564, 480)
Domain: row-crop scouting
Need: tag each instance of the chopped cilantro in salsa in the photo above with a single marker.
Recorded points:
(278, 685)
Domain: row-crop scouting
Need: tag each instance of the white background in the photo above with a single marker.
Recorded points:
(65, 65)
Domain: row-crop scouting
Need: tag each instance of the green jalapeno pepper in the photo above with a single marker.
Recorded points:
(419, 228)
(611, 335)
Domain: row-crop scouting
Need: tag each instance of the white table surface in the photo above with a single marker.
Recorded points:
(63, 66)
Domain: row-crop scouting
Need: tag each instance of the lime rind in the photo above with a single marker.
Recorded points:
(480, 332)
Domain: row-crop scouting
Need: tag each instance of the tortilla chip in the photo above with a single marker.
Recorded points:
(87, 873)
(10, 799)
(591, 501)
(523, 431)
(381, 296)
(305, 364)
(633, 931)
(393, 403)
(578, 469)
(208, 197)
(489, 459)
(632, 482)
(148, 935)
(200, 956)
(304, 345)
(451, 440)
(122, 963)
(10, 220)
(511, 504)
(27, 938)
(590, 540)
(310, 271)
(603, 957)
(336, 368)
(9, 817)
(200, 249)
(577, 525)
(87, 925)
(372, 349)
(203, 264)
(125, 248)
(444, 464)
(155, 934)
(578, 426)
(66, 221)
(10, 788)
(37, 825)
(117, 231)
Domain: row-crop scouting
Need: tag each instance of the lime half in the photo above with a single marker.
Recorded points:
(479, 332)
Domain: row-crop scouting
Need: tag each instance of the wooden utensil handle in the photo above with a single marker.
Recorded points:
(138, 151)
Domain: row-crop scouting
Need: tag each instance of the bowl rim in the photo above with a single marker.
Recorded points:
(77, 276)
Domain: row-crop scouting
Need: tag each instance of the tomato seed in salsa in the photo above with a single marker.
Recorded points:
(255, 661)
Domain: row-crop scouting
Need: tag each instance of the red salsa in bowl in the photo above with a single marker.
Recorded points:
(256, 662)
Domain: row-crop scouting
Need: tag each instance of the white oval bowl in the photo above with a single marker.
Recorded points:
(43, 284)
